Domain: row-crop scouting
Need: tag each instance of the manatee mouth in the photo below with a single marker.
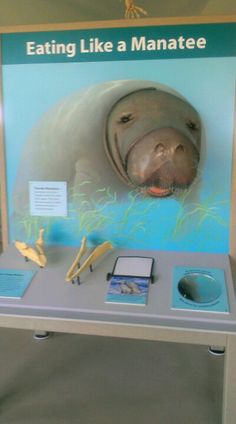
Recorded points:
(159, 192)
(165, 180)
(163, 161)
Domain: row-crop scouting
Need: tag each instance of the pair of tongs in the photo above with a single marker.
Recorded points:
(75, 269)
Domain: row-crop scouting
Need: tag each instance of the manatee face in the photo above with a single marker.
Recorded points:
(153, 141)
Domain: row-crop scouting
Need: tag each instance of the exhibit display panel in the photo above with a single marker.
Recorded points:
(74, 167)
(118, 192)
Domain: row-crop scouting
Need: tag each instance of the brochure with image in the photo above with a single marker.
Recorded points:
(128, 290)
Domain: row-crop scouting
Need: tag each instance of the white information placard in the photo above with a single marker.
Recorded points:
(133, 266)
(48, 198)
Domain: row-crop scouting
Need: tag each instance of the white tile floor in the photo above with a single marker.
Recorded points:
(72, 379)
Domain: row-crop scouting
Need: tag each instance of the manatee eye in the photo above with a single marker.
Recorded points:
(192, 125)
(126, 117)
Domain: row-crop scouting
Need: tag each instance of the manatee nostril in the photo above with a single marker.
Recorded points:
(180, 149)
(159, 148)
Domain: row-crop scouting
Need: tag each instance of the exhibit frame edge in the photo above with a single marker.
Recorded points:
(113, 24)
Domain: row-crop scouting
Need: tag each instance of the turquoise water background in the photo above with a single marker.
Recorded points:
(166, 224)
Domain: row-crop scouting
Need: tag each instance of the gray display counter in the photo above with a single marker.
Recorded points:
(51, 304)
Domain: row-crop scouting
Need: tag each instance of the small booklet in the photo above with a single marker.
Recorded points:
(129, 281)
(128, 290)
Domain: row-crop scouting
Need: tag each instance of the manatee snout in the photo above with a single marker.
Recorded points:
(153, 141)
(162, 161)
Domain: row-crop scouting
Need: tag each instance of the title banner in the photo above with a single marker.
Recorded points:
(152, 42)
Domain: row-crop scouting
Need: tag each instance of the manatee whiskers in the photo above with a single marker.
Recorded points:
(165, 181)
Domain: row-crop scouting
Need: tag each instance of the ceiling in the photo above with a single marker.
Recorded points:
(21, 12)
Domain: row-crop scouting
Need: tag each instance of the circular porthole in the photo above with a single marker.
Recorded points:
(199, 288)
